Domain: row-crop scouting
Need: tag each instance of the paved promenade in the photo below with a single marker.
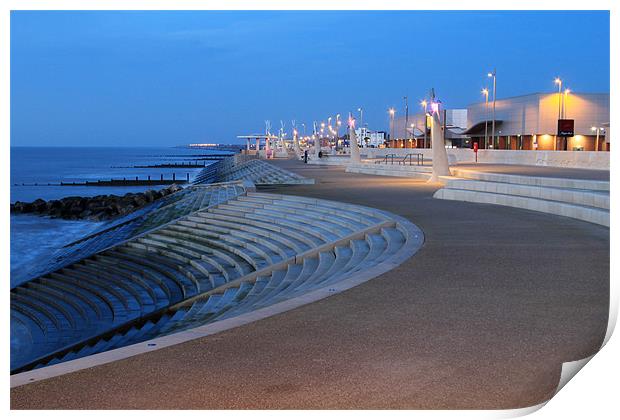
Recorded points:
(481, 317)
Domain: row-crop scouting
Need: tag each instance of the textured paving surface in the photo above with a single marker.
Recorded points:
(481, 317)
(591, 174)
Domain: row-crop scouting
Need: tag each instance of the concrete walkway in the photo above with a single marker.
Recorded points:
(481, 317)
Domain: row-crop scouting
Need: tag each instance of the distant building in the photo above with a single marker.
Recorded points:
(409, 132)
(530, 122)
(367, 138)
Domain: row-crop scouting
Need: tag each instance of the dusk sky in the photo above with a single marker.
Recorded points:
(169, 78)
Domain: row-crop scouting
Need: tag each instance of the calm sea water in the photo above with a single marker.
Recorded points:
(34, 237)
(43, 165)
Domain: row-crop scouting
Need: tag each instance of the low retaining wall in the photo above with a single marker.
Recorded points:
(562, 159)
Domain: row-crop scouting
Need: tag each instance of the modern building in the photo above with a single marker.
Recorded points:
(367, 138)
(530, 122)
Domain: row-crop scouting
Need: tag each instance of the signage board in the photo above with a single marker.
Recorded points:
(566, 128)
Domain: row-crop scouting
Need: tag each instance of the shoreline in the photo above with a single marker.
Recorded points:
(97, 208)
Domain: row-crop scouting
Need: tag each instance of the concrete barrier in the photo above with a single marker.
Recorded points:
(561, 159)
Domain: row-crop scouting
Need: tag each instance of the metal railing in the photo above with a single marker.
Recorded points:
(402, 160)
(390, 156)
(418, 156)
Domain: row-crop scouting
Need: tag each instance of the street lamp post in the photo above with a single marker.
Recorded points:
(361, 111)
(558, 82)
(330, 130)
(338, 122)
(392, 111)
(424, 104)
(406, 116)
(493, 75)
(564, 113)
(485, 92)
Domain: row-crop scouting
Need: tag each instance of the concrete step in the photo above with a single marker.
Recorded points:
(404, 171)
(589, 198)
(589, 214)
(541, 181)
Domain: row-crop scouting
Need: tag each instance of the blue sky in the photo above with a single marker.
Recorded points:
(166, 78)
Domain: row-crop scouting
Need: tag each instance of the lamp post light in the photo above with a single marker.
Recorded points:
(564, 107)
(361, 111)
(424, 104)
(493, 75)
(485, 92)
(564, 98)
(558, 82)
(406, 116)
(338, 123)
(329, 129)
(392, 111)
(413, 134)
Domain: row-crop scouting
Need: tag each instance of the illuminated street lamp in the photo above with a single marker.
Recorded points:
(424, 104)
(391, 111)
(361, 111)
(493, 75)
(406, 115)
(563, 97)
(564, 107)
(485, 92)
(558, 82)
(338, 124)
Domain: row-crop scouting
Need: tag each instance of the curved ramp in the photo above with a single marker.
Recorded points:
(250, 252)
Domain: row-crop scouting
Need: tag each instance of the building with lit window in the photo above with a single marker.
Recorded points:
(530, 122)
(368, 138)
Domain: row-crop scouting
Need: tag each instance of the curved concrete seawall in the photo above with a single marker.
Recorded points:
(246, 253)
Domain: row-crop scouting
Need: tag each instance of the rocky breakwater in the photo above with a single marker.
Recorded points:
(98, 208)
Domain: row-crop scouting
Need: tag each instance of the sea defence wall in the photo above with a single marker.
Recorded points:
(560, 159)
(248, 168)
(206, 253)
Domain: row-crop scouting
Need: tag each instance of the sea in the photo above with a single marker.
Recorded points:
(37, 171)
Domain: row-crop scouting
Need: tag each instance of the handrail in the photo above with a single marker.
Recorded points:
(402, 159)
(386, 157)
(419, 159)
